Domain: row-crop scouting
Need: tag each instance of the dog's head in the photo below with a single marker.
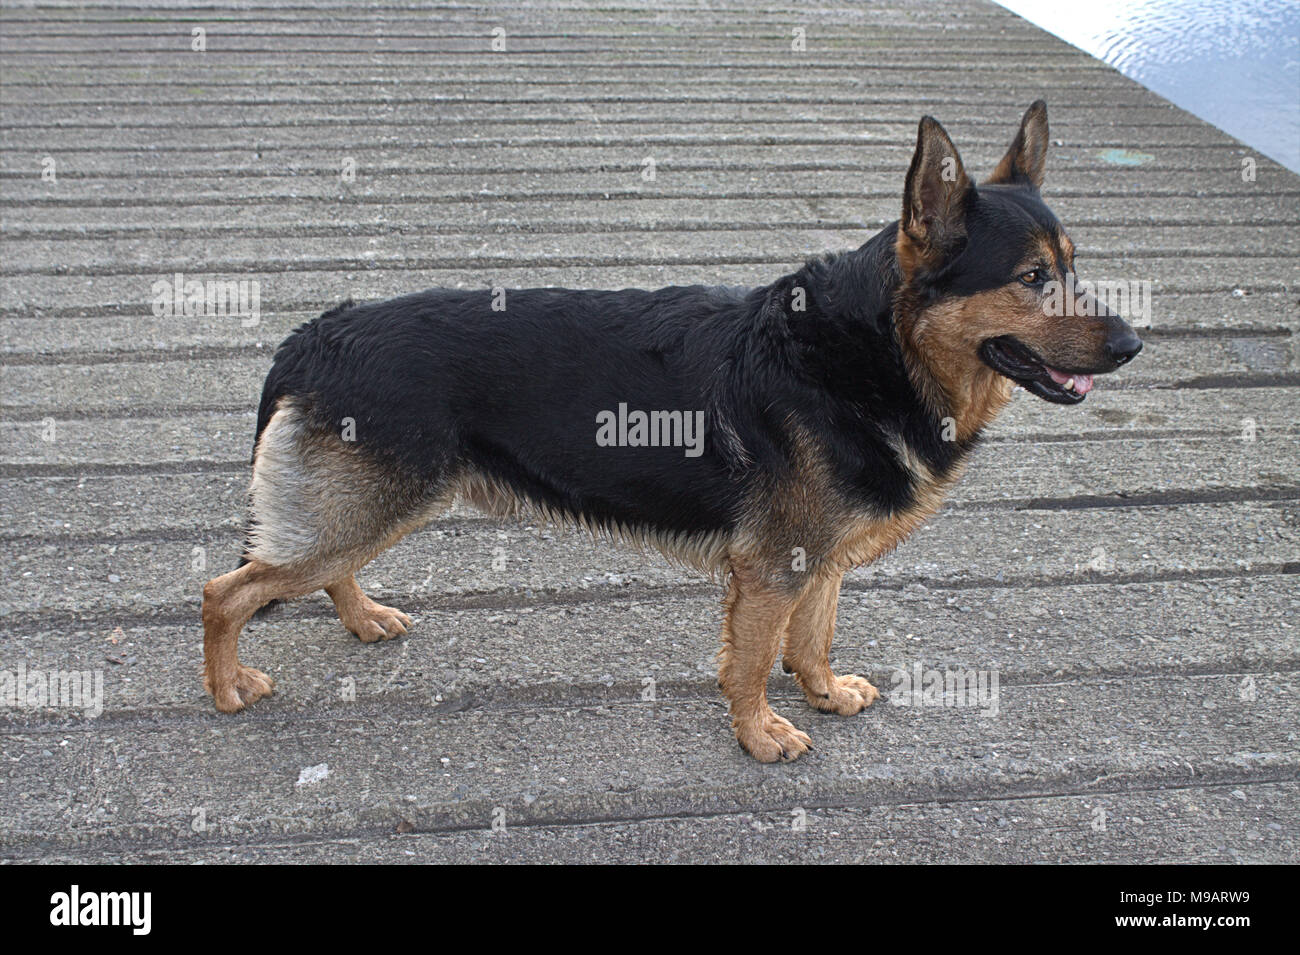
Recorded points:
(988, 275)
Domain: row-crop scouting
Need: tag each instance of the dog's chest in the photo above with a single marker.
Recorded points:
(869, 535)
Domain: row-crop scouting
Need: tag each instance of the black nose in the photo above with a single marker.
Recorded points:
(1123, 347)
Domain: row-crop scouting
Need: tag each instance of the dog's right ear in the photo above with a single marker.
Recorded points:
(935, 199)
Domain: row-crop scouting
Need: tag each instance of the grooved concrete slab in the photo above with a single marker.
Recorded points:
(1126, 569)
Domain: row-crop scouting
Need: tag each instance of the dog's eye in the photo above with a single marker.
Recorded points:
(1032, 277)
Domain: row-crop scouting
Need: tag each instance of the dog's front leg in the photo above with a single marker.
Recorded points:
(756, 615)
(808, 649)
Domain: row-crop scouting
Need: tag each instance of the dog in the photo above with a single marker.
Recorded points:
(778, 436)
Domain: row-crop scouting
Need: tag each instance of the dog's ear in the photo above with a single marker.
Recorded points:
(1027, 158)
(935, 197)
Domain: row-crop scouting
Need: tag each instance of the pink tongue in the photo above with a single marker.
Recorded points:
(1082, 383)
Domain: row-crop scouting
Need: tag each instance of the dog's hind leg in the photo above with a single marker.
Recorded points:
(228, 603)
(321, 509)
(807, 652)
(756, 615)
(361, 615)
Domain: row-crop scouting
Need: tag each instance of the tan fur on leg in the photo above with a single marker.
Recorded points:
(807, 652)
(361, 615)
(755, 617)
(229, 601)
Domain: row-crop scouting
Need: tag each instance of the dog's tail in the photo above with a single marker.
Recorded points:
(292, 368)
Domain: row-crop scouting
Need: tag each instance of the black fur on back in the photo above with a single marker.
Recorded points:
(438, 380)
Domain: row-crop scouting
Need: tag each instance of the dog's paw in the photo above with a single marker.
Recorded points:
(770, 738)
(248, 686)
(846, 696)
(371, 622)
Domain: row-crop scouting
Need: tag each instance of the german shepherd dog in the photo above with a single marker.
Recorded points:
(779, 435)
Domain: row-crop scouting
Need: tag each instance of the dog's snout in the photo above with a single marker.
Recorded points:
(1123, 347)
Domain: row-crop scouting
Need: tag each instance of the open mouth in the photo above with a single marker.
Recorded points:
(1009, 357)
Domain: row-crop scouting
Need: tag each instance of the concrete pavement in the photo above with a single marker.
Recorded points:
(1126, 568)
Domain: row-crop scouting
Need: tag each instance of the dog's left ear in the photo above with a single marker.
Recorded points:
(1027, 158)
(935, 198)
